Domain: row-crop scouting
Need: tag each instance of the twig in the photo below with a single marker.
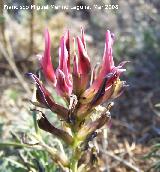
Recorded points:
(10, 59)
(60, 146)
(2, 23)
(124, 124)
(151, 105)
(27, 165)
(31, 28)
(129, 165)
(57, 156)
(105, 146)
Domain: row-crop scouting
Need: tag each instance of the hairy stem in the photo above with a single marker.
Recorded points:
(74, 164)
(75, 155)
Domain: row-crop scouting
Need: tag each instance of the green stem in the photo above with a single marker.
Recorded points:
(74, 160)
(74, 165)
(34, 114)
(75, 155)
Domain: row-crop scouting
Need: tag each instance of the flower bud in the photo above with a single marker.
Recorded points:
(45, 125)
(93, 126)
(44, 97)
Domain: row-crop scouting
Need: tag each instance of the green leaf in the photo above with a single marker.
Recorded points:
(13, 144)
(15, 163)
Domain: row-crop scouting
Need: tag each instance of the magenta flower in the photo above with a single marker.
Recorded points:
(91, 87)
(83, 89)
(105, 83)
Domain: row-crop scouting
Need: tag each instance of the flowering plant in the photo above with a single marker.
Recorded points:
(84, 89)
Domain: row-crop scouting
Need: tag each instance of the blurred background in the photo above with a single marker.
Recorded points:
(135, 117)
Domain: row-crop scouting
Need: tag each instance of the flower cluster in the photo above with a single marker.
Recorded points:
(82, 87)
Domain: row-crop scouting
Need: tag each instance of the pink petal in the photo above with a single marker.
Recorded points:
(108, 63)
(82, 37)
(67, 44)
(119, 68)
(63, 61)
(46, 62)
(75, 65)
(62, 87)
(84, 61)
